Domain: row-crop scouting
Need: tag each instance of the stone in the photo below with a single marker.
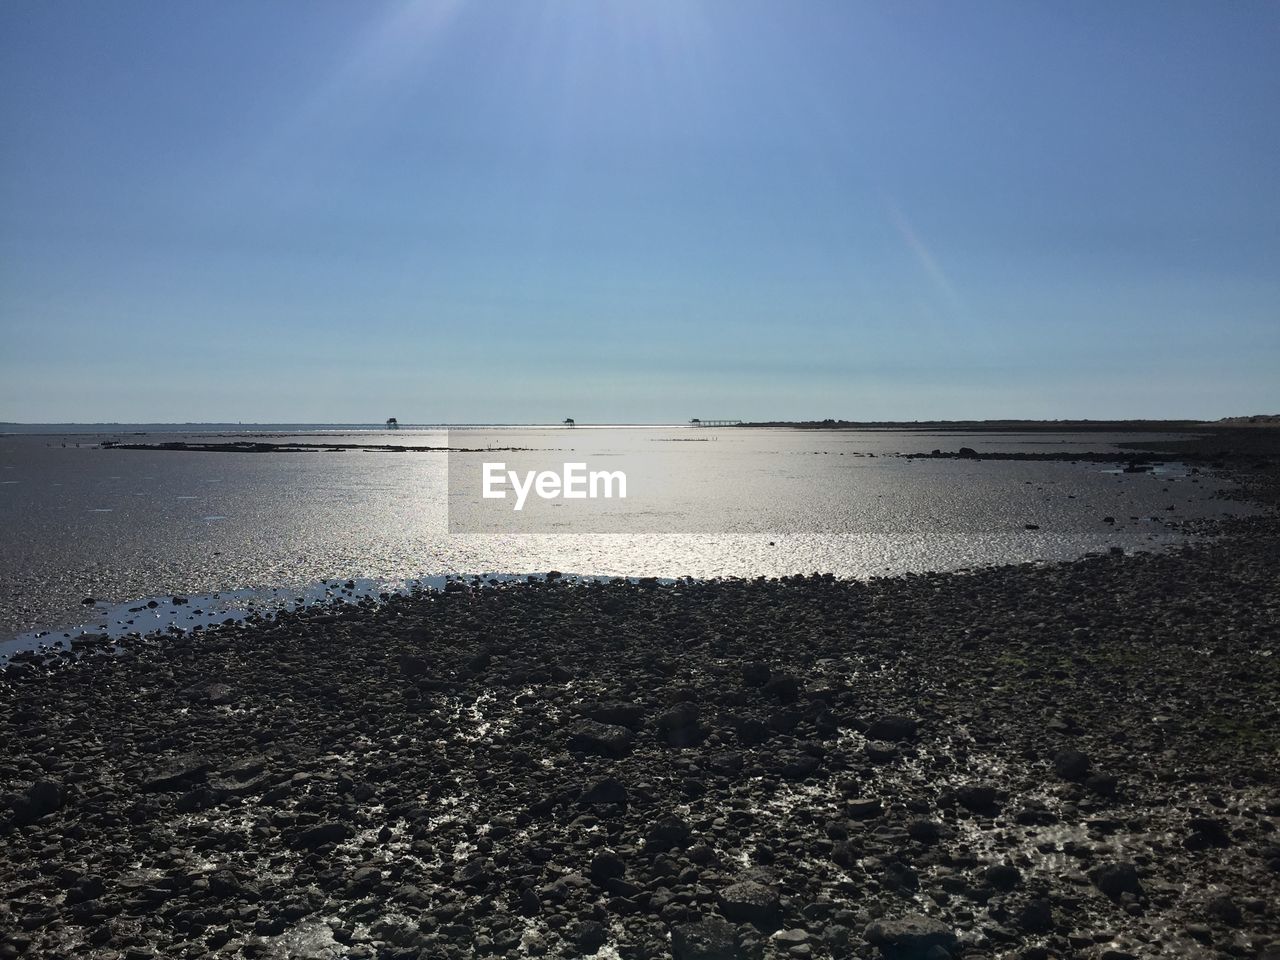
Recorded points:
(978, 797)
(911, 938)
(1071, 765)
(708, 939)
(668, 833)
(679, 726)
(893, 728)
(750, 902)
(864, 808)
(600, 739)
(1116, 879)
(38, 800)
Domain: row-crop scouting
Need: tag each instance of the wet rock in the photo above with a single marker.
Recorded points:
(709, 939)
(893, 728)
(913, 937)
(679, 726)
(1116, 879)
(864, 808)
(782, 687)
(178, 774)
(750, 902)
(1224, 909)
(1071, 765)
(606, 790)
(320, 834)
(614, 713)
(669, 833)
(600, 739)
(38, 800)
(978, 797)
(1003, 876)
(1206, 832)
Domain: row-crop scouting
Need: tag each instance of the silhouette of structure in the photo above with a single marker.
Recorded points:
(568, 422)
(393, 423)
(697, 422)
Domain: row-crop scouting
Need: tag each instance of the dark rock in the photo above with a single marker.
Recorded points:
(978, 797)
(178, 775)
(1205, 833)
(616, 714)
(607, 790)
(606, 865)
(924, 831)
(755, 674)
(679, 726)
(600, 739)
(323, 833)
(1036, 916)
(911, 938)
(1071, 765)
(38, 800)
(864, 808)
(1115, 879)
(750, 902)
(1225, 909)
(591, 937)
(892, 728)
(783, 687)
(709, 939)
(667, 834)
(1003, 876)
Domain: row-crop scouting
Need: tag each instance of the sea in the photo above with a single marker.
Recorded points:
(101, 539)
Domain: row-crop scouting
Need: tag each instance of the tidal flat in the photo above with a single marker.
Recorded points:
(1059, 760)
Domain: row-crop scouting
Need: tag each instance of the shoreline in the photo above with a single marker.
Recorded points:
(1075, 759)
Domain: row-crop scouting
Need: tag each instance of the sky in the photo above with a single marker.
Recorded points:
(522, 211)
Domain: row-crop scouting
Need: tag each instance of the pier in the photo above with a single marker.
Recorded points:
(699, 422)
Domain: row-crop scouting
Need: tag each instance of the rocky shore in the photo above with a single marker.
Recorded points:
(1077, 760)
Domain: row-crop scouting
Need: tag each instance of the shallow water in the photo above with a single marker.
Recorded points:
(79, 521)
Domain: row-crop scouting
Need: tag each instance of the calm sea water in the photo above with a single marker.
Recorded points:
(120, 526)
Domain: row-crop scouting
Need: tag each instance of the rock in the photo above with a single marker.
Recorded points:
(1115, 879)
(1102, 785)
(880, 751)
(679, 726)
(38, 800)
(911, 938)
(605, 791)
(750, 902)
(1205, 833)
(178, 775)
(978, 797)
(1223, 908)
(412, 666)
(616, 714)
(924, 831)
(323, 833)
(755, 674)
(591, 937)
(600, 739)
(864, 808)
(783, 687)
(1036, 916)
(1071, 765)
(606, 865)
(893, 728)
(667, 834)
(709, 939)
(1003, 876)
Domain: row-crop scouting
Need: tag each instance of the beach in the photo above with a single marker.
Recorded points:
(1054, 760)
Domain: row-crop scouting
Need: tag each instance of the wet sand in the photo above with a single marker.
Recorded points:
(1073, 760)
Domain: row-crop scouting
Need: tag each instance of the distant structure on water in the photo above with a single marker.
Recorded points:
(393, 423)
(568, 422)
(698, 422)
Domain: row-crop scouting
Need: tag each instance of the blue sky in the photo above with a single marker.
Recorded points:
(638, 211)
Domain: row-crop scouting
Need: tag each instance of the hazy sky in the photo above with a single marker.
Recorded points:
(638, 211)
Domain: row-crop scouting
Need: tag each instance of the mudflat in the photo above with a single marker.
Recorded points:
(1074, 760)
